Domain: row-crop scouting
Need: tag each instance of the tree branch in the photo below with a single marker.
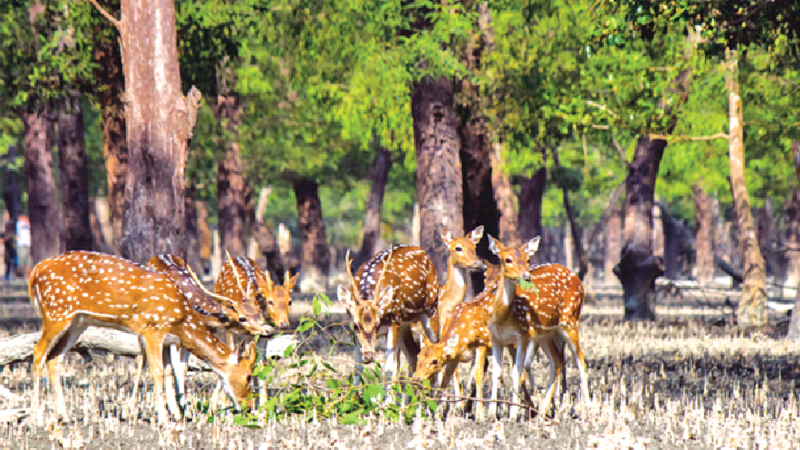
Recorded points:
(620, 150)
(673, 138)
(106, 14)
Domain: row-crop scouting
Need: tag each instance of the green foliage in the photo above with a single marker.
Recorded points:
(304, 384)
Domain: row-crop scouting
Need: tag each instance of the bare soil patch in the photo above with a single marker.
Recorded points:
(689, 380)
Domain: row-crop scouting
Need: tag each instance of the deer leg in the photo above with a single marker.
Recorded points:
(516, 374)
(556, 365)
(54, 358)
(392, 359)
(154, 347)
(50, 333)
(140, 360)
(575, 347)
(173, 373)
(479, 367)
(497, 367)
(410, 348)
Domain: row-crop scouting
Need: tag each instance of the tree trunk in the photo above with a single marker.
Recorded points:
(108, 72)
(765, 223)
(192, 230)
(439, 186)
(315, 258)
(638, 268)
(504, 197)
(159, 121)
(74, 176)
(371, 232)
(613, 248)
(752, 306)
(205, 237)
(43, 204)
(266, 241)
(793, 239)
(529, 220)
(230, 182)
(575, 229)
(704, 243)
(673, 243)
(12, 187)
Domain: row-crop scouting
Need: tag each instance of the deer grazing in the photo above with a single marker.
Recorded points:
(397, 287)
(80, 289)
(216, 312)
(543, 315)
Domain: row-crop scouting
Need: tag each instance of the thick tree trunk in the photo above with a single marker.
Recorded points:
(439, 186)
(315, 258)
(12, 186)
(752, 306)
(74, 176)
(792, 236)
(159, 121)
(613, 246)
(115, 148)
(43, 204)
(529, 220)
(793, 239)
(371, 232)
(704, 242)
(230, 182)
(638, 268)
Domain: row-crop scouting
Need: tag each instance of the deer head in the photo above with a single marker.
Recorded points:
(246, 290)
(366, 312)
(431, 359)
(278, 304)
(462, 250)
(514, 261)
(237, 381)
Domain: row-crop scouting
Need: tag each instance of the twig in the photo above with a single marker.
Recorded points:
(620, 150)
(106, 14)
(672, 138)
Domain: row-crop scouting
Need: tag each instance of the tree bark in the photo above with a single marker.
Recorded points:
(371, 232)
(765, 226)
(752, 306)
(529, 220)
(74, 176)
(504, 197)
(613, 248)
(638, 268)
(12, 187)
(315, 258)
(793, 238)
(704, 242)
(192, 230)
(205, 237)
(439, 186)
(673, 243)
(109, 74)
(159, 121)
(575, 229)
(230, 181)
(43, 204)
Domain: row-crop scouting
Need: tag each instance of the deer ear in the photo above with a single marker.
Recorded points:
(532, 246)
(493, 245)
(447, 236)
(476, 234)
(291, 281)
(345, 297)
(385, 297)
(270, 283)
(425, 341)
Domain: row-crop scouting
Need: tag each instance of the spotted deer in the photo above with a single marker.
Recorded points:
(397, 287)
(242, 279)
(533, 317)
(80, 289)
(217, 312)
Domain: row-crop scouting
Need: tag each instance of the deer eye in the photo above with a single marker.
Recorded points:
(509, 260)
(435, 362)
(459, 249)
(290, 303)
(270, 303)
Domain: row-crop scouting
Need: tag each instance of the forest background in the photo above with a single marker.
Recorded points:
(640, 139)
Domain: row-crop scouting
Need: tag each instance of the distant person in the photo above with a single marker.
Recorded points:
(23, 246)
(10, 256)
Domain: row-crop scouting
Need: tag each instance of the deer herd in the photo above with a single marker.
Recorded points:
(396, 294)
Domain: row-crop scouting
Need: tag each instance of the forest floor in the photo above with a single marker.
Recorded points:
(689, 380)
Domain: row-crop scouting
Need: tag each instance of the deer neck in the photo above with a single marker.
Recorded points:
(454, 291)
(506, 291)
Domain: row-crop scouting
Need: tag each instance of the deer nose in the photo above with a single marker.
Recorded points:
(284, 324)
(526, 276)
(368, 357)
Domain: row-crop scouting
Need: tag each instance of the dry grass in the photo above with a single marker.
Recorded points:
(688, 381)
